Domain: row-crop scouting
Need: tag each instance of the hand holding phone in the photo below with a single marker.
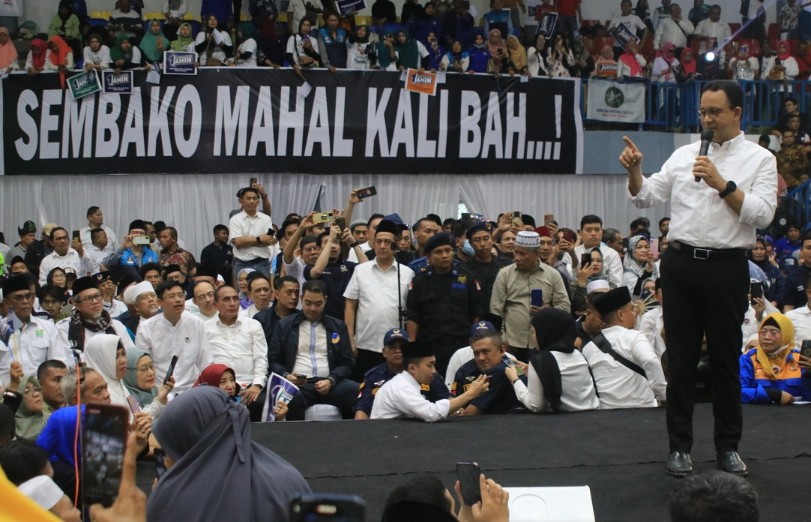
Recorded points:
(585, 259)
(536, 297)
(103, 444)
(171, 369)
(468, 474)
(366, 192)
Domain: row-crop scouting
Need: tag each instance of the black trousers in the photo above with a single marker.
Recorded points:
(343, 396)
(703, 297)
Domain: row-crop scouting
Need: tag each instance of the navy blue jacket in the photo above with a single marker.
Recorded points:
(283, 346)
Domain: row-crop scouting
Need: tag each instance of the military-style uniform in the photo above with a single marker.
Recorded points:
(444, 306)
(381, 374)
(501, 396)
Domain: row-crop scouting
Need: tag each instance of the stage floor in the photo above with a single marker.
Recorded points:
(619, 454)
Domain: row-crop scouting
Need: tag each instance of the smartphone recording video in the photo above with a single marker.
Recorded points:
(103, 444)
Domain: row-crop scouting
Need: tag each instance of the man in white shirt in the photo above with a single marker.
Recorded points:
(259, 292)
(591, 237)
(713, 28)
(401, 397)
(248, 231)
(239, 342)
(673, 30)
(375, 296)
(95, 219)
(626, 370)
(631, 22)
(175, 333)
(204, 306)
(27, 339)
(305, 240)
(96, 252)
(64, 256)
(88, 320)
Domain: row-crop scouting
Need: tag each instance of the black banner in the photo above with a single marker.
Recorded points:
(261, 120)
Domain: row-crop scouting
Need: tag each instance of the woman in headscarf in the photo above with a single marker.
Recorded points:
(455, 60)
(785, 65)
(560, 58)
(213, 45)
(214, 470)
(631, 62)
(358, 48)
(124, 55)
(536, 58)
(768, 263)
(302, 48)
(105, 354)
(8, 53)
(66, 24)
(558, 377)
(30, 418)
(605, 66)
(499, 56)
(245, 300)
(219, 376)
(96, 54)
(411, 54)
(59, 56)
(638, 264)
(479, 55)
(35, 61)
(184, 42)
(517, 55)
(140, 383)
(688, 71)
(435, 52)
(154, 42)
(744, 66)
(386, 53)
(665, 65)
(774, 372)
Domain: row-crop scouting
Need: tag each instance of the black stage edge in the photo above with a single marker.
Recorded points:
(619, 454)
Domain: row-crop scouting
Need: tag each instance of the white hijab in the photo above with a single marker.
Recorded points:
(100, 355)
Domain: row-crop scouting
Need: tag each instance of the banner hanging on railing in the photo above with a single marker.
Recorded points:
(259, 120)
(616, 101)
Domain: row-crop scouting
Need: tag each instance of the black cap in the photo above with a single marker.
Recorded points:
(478, 227)
(416, 349)
(171, 269)
(102, 276)
(389, 226)
(15, 284)
(612, 300)
(28, 228)
(125, 281)
(82, 284)
(17, 259)
(437, 240)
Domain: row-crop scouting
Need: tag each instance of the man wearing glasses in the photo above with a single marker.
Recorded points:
(717, 202)
(28, 340)
(88, 319)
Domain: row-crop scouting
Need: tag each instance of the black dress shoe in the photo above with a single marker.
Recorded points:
(731, 462)
(679, 464)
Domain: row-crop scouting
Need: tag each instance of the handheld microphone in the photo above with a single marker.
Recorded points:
(706, 138)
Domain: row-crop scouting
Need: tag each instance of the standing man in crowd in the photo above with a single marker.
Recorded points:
(95, 219)
(28, 235)
(171, 253)
(64, 256)
(219, 254)
(717, 202)
(250, 235)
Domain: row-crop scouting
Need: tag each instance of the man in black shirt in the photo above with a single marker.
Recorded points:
(219, 254)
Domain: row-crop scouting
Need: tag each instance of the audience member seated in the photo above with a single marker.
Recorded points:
(174, 12)
(788, 245)
(213, 44)
(141, 383)
(47, 495)
(488, 361)
(558, 377)
(184, 41)
(688, 69)
(626, 370)
(214, 470)
(332, 44)
(499, 56)
(792, 161)
(30, 417)
(260, 292)
(429, 23)
(125, 20)
(794, 294)
(456, 60)
(59, 56)
(638, 264)
(713, 495)
(774, 372)
(517, 56)
(560, 58)
(105, 354)
(8, 53)
(302, 48)
(537, 62)
(142, 303)
(154, 43)
(66, 24)
(605, 66)
(801, 316)
(435, 51)
(222, 377)
(673, 30)
(591, 237)
(743, 66)
(411, 53)
(322, 377)
(401, 397)
(96, 54)
(359, 47)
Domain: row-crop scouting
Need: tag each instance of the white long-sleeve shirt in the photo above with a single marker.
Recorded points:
(698, 216)
(72, 260)
(619, 386)
(187, 339)
(31, 344)
(671, 31)
(577, 387)
(401, 397)
(242, 346)
(651, 325)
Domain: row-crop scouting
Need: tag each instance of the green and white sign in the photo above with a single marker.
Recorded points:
(84, 84)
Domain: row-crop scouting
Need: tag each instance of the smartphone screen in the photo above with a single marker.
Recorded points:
(536, 297)
(328, 507)
(105, 435)
(805, 348)
(171, 369)
(253, 180)
(585, 259)
(76, 234)
(468, 474)
(366, 192)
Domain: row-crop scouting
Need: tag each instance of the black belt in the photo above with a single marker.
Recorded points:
(707, 254)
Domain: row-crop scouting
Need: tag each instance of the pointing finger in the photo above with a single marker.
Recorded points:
(630, 143)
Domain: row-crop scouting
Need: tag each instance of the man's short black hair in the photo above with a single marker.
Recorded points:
(803, 238)
(372, 218)
(167, 285)
(610, 234)
(219, 227)
(55, 230)
(94, 234)
(791, 99)
(244, 191)
(53, 291)
(422, 489)
(289, 221)
(92, 210)
(254, 276)
(48, 365)
(315, 286)
(731, 88)
(279, 282)
(149, 267)
(640, 222)
(22, 460)
(138, 224)
(219, 289)
(590, 219)
(172, 232)
(666, 218)
(713, 496)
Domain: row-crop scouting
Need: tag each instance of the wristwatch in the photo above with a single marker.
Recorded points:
(731, 187)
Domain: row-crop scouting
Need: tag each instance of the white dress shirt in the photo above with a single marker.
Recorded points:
(671, 31)
(801, 319)
(718, 30)
(651, 325)
(72, 259)
(401, 397)
(63, 351)
(577, 388)
(618, 386)
(698, 216)
(31, 344)
(311, 357)
(612, 264)
(95, 256)
(241, 346)
(243, 225)
(376, 292)
(112, 239)
(187, 339)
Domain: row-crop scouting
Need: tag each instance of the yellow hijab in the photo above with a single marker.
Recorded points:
(786, 332)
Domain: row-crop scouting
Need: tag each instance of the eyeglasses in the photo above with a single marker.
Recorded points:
(91, 299)
(769, 332)
(147, 368)
(32, 391)
(20, 298)
(712, 112)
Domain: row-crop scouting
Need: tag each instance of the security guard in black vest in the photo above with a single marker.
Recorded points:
(443, 302)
